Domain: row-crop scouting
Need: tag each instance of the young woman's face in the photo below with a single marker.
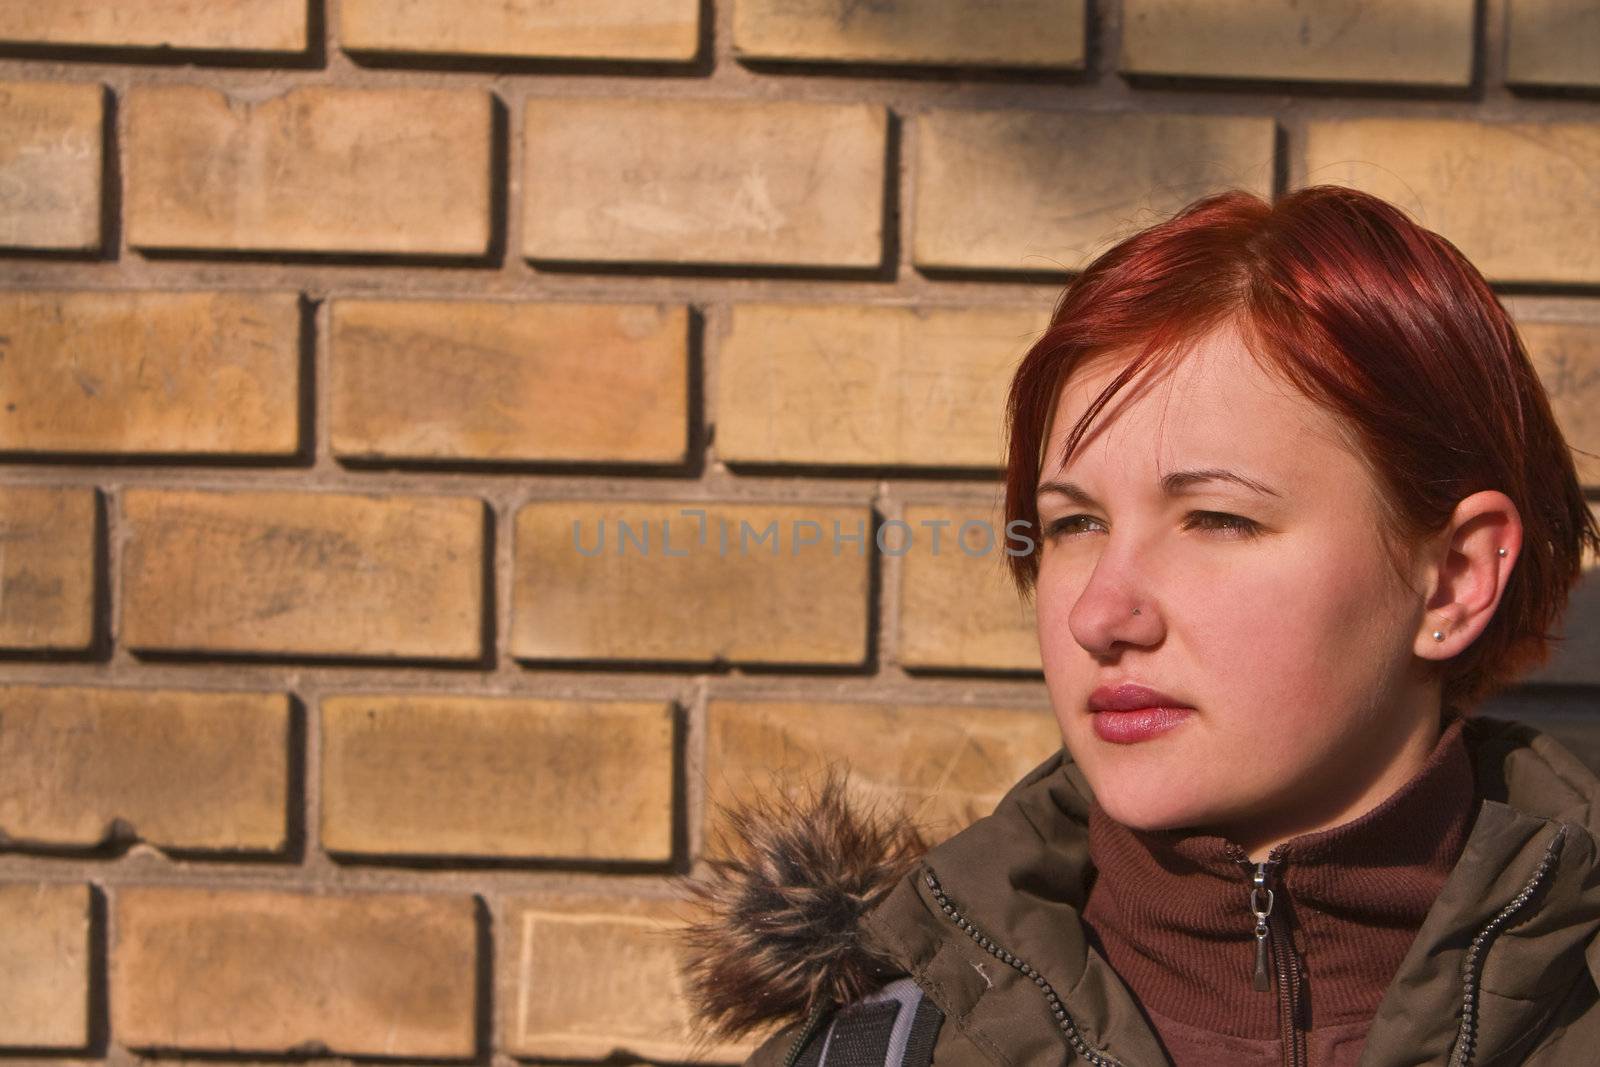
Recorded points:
(1266, 604)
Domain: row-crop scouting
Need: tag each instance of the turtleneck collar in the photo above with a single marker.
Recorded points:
(1171, 912)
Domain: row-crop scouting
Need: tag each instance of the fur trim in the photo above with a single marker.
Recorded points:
(781, 938)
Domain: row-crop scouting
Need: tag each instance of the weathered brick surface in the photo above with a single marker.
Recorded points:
(209, 25)
(510, 381)
(560, 29)
(1514, 197)
(736, 595)
(958, 607)
(182, 373)
(1553, 42)
(315, 169)
(585, 975)
(47, 566)
(50, 164)
(1567, 357)
(1422, 42)
(1058, 187)
(380, 974)
(946, 765)
(704, 181)
(180, 769)
(814, 383)
(469, 776)
(1020, 33)
(44, 965)
(302, 573)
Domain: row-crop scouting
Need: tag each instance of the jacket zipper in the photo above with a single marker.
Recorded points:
(1272, 943)
(1064, 1022)
(1465, 1046)
(808, 1030)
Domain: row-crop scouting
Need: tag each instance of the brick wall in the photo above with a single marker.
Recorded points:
(321, 323)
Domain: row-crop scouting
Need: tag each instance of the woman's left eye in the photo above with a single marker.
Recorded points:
(1221, 520)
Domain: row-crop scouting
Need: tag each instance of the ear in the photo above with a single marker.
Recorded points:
(1467, 574)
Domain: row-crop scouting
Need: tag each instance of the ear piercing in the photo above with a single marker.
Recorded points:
(1500, 551)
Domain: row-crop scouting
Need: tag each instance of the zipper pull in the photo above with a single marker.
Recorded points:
(1263, 976)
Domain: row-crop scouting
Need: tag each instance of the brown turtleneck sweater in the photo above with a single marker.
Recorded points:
(1170, 911)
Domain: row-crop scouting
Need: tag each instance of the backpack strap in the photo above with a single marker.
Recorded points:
(894, 1027)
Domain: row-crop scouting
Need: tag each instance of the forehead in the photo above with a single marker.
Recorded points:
(1212, 405)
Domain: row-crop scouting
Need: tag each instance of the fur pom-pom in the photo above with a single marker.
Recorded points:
(780, 934)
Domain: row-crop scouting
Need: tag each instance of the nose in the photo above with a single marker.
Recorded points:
(1103, 618)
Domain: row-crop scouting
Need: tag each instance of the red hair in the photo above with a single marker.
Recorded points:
(1382, 322)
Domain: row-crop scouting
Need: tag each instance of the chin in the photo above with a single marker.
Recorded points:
(1142, 808)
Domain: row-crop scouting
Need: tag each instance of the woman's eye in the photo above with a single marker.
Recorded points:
(1069, 524)
(1221, 520)
(1236, 525)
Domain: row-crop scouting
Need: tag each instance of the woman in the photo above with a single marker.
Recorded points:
(1301, 505)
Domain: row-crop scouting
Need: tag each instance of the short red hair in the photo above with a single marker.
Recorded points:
(1384, 323)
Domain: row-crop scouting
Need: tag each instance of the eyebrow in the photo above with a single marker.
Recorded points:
(1174, 484)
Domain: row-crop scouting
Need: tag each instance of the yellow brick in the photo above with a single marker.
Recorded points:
(502, 381)
(1019, 33)
(704, 181)
(209, 25)
(316, 169)
(181, 769)
(727, 597)
(44, 965)
(1567, 356)
(469, 776)
(567, 963)
(1419, 42)
(1043, 191)
(50, 163)
(833, 383)
(1553, 42)
(302, 573)
(958, 607)
(378, 974)
(47, 566)
(559, 29)
(947, 766)
(1514, 197)
(150, 372)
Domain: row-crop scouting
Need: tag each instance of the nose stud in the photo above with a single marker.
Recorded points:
(1136, 611)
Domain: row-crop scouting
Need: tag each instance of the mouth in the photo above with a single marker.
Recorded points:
(1128, 713)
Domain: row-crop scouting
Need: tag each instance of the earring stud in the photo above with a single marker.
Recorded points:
(1500, 551)
(1438, 635)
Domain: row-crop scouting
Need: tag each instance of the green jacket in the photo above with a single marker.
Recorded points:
(1504, 970)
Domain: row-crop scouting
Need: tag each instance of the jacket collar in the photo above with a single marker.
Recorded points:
(989, 924)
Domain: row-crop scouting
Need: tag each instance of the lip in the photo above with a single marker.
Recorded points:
(1129, 713)
(1131, 696)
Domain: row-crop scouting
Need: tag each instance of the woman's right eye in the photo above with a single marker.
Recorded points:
(1069, 524)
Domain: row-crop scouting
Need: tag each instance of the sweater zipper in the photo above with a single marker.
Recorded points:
(1058, 1011)
(1274, 951)
(1465, 1046)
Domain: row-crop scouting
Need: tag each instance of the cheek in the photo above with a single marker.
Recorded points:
(1316, 631)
